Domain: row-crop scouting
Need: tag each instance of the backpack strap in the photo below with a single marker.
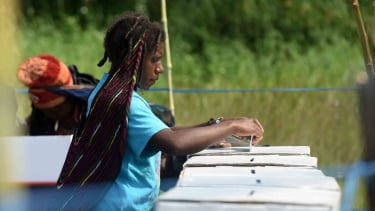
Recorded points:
(82, 78)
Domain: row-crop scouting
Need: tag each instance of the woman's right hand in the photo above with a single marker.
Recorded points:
(246, 127)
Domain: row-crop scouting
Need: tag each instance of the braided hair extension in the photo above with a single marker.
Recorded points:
(95, 156)
(115, 47)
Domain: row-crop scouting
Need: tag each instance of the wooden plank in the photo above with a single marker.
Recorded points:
(251, 195)
(257, 150)
(37, 159)
(204, 206)
(252, 160)
(308, 182)
(253, 170)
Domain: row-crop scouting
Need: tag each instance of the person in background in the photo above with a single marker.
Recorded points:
(58, 94)
(113, 162)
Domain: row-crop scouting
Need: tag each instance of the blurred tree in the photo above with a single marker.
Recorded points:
(261, 25)
(55, 9)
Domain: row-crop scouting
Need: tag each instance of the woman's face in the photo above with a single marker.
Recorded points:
(60, 112)
(152, 68)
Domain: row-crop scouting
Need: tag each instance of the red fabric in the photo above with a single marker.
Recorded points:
(50, 73)
(45, 99)
(43, 71)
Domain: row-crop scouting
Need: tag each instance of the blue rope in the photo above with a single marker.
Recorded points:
(256, 90)
(22, 91)
(311, 89)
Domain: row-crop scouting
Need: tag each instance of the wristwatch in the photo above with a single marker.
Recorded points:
(215, 121)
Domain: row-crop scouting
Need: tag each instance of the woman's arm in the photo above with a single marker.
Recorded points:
(188, 140)
(204, 124)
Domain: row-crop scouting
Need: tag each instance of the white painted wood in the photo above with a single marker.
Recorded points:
(214, 206)
(256, 150)
(252, 170)
(37, 159)
(252, 160)
(250, 195)
(267, 178)
(309, 182)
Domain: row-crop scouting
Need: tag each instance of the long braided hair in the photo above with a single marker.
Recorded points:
(95, 155)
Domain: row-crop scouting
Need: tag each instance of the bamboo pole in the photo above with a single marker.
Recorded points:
(168, 54)
(364, 39)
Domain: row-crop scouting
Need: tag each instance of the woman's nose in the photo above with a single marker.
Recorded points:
(160, 68)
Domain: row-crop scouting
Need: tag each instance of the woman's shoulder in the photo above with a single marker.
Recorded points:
(138, 98)
(138, 101)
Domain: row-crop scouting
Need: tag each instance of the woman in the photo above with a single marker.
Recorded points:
(114, 160)
(57, 92)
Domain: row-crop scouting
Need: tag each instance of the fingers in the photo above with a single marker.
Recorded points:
(259, 125)
(257, 128)
(257, 131)
(220, 144)
(249, 127)
(256, 140)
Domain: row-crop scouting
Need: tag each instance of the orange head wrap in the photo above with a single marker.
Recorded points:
(41, 72)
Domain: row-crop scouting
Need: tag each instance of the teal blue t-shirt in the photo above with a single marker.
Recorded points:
(137, 185)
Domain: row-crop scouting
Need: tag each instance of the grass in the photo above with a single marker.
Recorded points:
(327, 121)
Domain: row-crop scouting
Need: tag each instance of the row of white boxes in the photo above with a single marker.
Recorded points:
(267, 178)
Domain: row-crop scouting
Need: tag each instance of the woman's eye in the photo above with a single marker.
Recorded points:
(154, 60)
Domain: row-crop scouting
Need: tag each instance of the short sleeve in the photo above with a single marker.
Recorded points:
(142, 125)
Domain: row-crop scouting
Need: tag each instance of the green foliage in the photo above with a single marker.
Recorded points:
(263, 25)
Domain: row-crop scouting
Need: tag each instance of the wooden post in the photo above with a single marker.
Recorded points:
(364, 39)
(168, 54)
(367, 110)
